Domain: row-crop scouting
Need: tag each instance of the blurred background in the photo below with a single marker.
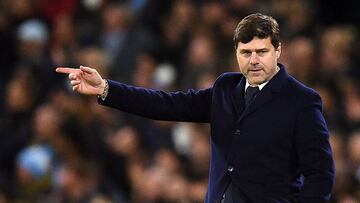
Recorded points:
(61, 147)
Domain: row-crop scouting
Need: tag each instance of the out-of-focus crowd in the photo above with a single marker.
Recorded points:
(60, 147)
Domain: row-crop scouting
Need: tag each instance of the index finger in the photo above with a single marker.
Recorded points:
(66, 70)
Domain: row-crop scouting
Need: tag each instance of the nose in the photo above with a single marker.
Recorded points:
(254, 58)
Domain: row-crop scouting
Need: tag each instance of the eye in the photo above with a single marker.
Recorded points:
(262, 52)
(246, 54)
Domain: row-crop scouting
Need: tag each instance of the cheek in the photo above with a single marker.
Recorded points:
(242, 68)
(270, 63)
(241, 63)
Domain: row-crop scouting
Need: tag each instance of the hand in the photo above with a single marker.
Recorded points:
(84, 80)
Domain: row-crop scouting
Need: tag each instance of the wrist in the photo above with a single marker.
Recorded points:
(104, 88)
(101, 87)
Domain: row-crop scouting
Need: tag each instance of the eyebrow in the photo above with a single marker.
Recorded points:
(256, 50)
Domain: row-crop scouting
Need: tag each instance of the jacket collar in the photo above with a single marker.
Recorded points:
(265, 95)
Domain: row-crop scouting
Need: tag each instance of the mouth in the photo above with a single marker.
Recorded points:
(255, 70)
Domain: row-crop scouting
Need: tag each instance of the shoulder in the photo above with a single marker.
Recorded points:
(228, 78)
(302, 92)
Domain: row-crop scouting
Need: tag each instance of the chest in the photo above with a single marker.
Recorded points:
(270, 124)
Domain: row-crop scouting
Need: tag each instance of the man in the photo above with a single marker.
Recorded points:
(269, 140)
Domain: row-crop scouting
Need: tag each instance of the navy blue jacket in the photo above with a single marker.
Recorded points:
(275, 150)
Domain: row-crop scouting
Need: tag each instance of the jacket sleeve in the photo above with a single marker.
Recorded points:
(191, 106)
(314, 152)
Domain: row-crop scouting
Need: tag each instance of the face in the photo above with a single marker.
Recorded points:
(257, 60)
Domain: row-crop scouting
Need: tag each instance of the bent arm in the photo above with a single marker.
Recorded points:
(315, 154)
(192, 106)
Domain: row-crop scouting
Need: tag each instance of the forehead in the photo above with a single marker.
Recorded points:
(256, 43)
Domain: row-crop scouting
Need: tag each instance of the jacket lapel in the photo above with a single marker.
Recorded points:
(266, 94)
(261, 99)
(237, 96)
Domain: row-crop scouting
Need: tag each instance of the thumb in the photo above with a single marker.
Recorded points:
(87, 69)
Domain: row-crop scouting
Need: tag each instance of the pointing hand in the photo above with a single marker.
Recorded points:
(84, 80)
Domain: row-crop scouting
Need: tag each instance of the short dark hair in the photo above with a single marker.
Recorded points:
(257, 25)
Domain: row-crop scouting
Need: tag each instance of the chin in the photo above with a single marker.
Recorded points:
(256, 81)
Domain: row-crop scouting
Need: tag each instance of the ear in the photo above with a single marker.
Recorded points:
(278, 51)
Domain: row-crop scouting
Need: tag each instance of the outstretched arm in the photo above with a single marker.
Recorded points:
(84, 80)
(191, 106)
